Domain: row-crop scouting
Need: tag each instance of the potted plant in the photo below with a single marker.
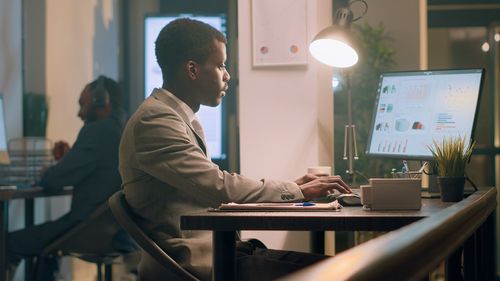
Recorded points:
(451, 156)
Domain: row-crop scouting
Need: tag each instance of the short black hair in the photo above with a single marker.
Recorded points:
(182, 40)
(112, 87)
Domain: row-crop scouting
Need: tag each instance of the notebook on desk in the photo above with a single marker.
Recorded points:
(302, 206)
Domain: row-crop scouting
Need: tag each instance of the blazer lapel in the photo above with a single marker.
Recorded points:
(163, 97)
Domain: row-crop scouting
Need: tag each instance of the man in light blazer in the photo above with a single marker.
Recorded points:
(166, 171)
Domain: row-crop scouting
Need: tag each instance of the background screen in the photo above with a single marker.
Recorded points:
(4, 156)
(414, 108)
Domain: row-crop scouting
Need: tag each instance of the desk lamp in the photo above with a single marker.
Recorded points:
(334, 46)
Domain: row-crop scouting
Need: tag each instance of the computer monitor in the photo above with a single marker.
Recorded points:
(414, 108)
(4, 154)
(210, 117)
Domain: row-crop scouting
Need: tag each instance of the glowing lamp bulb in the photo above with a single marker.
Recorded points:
(333, 53)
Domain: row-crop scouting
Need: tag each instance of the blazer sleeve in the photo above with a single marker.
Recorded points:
(78, 163)
(165, 149)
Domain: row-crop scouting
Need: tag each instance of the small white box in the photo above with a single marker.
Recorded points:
(392, 194)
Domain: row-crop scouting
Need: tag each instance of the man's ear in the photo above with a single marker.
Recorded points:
(192, 69)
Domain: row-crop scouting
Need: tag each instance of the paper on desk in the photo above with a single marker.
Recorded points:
(280, 206)
(8, 187)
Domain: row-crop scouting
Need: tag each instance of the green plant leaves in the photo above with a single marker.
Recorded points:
(451, 156)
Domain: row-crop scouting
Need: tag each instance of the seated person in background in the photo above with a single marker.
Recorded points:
(166, 171)
(90, 166)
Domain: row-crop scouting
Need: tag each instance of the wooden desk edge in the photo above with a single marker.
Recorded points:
(410, 252)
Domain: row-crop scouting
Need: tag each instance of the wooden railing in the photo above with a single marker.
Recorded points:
(413, 251)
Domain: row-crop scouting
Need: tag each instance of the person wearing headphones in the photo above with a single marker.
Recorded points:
(90, 166)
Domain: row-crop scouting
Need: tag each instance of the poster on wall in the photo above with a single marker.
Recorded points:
(279, 32)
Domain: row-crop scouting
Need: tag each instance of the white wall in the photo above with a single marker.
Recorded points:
(285, 115)
(81, 43)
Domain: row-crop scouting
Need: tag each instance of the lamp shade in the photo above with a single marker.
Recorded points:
(333, 45)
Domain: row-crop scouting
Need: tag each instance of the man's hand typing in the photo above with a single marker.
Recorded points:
(313, 186)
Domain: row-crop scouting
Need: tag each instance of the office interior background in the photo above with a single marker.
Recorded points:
(278, 120)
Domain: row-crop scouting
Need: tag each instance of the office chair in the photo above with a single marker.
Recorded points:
(155, 263)
(84, 242)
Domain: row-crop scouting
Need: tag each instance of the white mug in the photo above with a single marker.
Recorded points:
(320, 170)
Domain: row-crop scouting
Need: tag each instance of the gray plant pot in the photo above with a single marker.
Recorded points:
(451, 188)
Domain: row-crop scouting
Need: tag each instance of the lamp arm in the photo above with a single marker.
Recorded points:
(356, 156)
(346, 131)
(364, 12)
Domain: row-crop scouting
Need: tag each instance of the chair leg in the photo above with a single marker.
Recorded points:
(99, 271)
(29, 268)
(108, 272)
(35, 267)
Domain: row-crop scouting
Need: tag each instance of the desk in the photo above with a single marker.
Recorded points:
(225, 224)
(28, 194)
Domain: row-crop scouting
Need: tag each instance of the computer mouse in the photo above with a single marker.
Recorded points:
(326, 199)
(349, 199)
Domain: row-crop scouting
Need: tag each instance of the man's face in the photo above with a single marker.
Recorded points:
(213, 77)
(85, 102)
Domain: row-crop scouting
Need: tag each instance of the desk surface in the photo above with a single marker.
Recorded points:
(347, 219)
(32, 192)
(22, 193)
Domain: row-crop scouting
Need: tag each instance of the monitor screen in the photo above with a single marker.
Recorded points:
(4, 155)
(210, 117)
(414, 108)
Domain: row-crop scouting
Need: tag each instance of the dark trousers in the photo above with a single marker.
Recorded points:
(30, 242)
(255, 262)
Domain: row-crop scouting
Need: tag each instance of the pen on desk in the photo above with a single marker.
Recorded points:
(305, 204)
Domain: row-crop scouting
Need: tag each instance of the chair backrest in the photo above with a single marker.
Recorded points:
(123, 214)
(83, 239)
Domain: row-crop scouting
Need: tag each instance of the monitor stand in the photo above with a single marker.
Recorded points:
(407, 172)
(430, 187)
(429, 179)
